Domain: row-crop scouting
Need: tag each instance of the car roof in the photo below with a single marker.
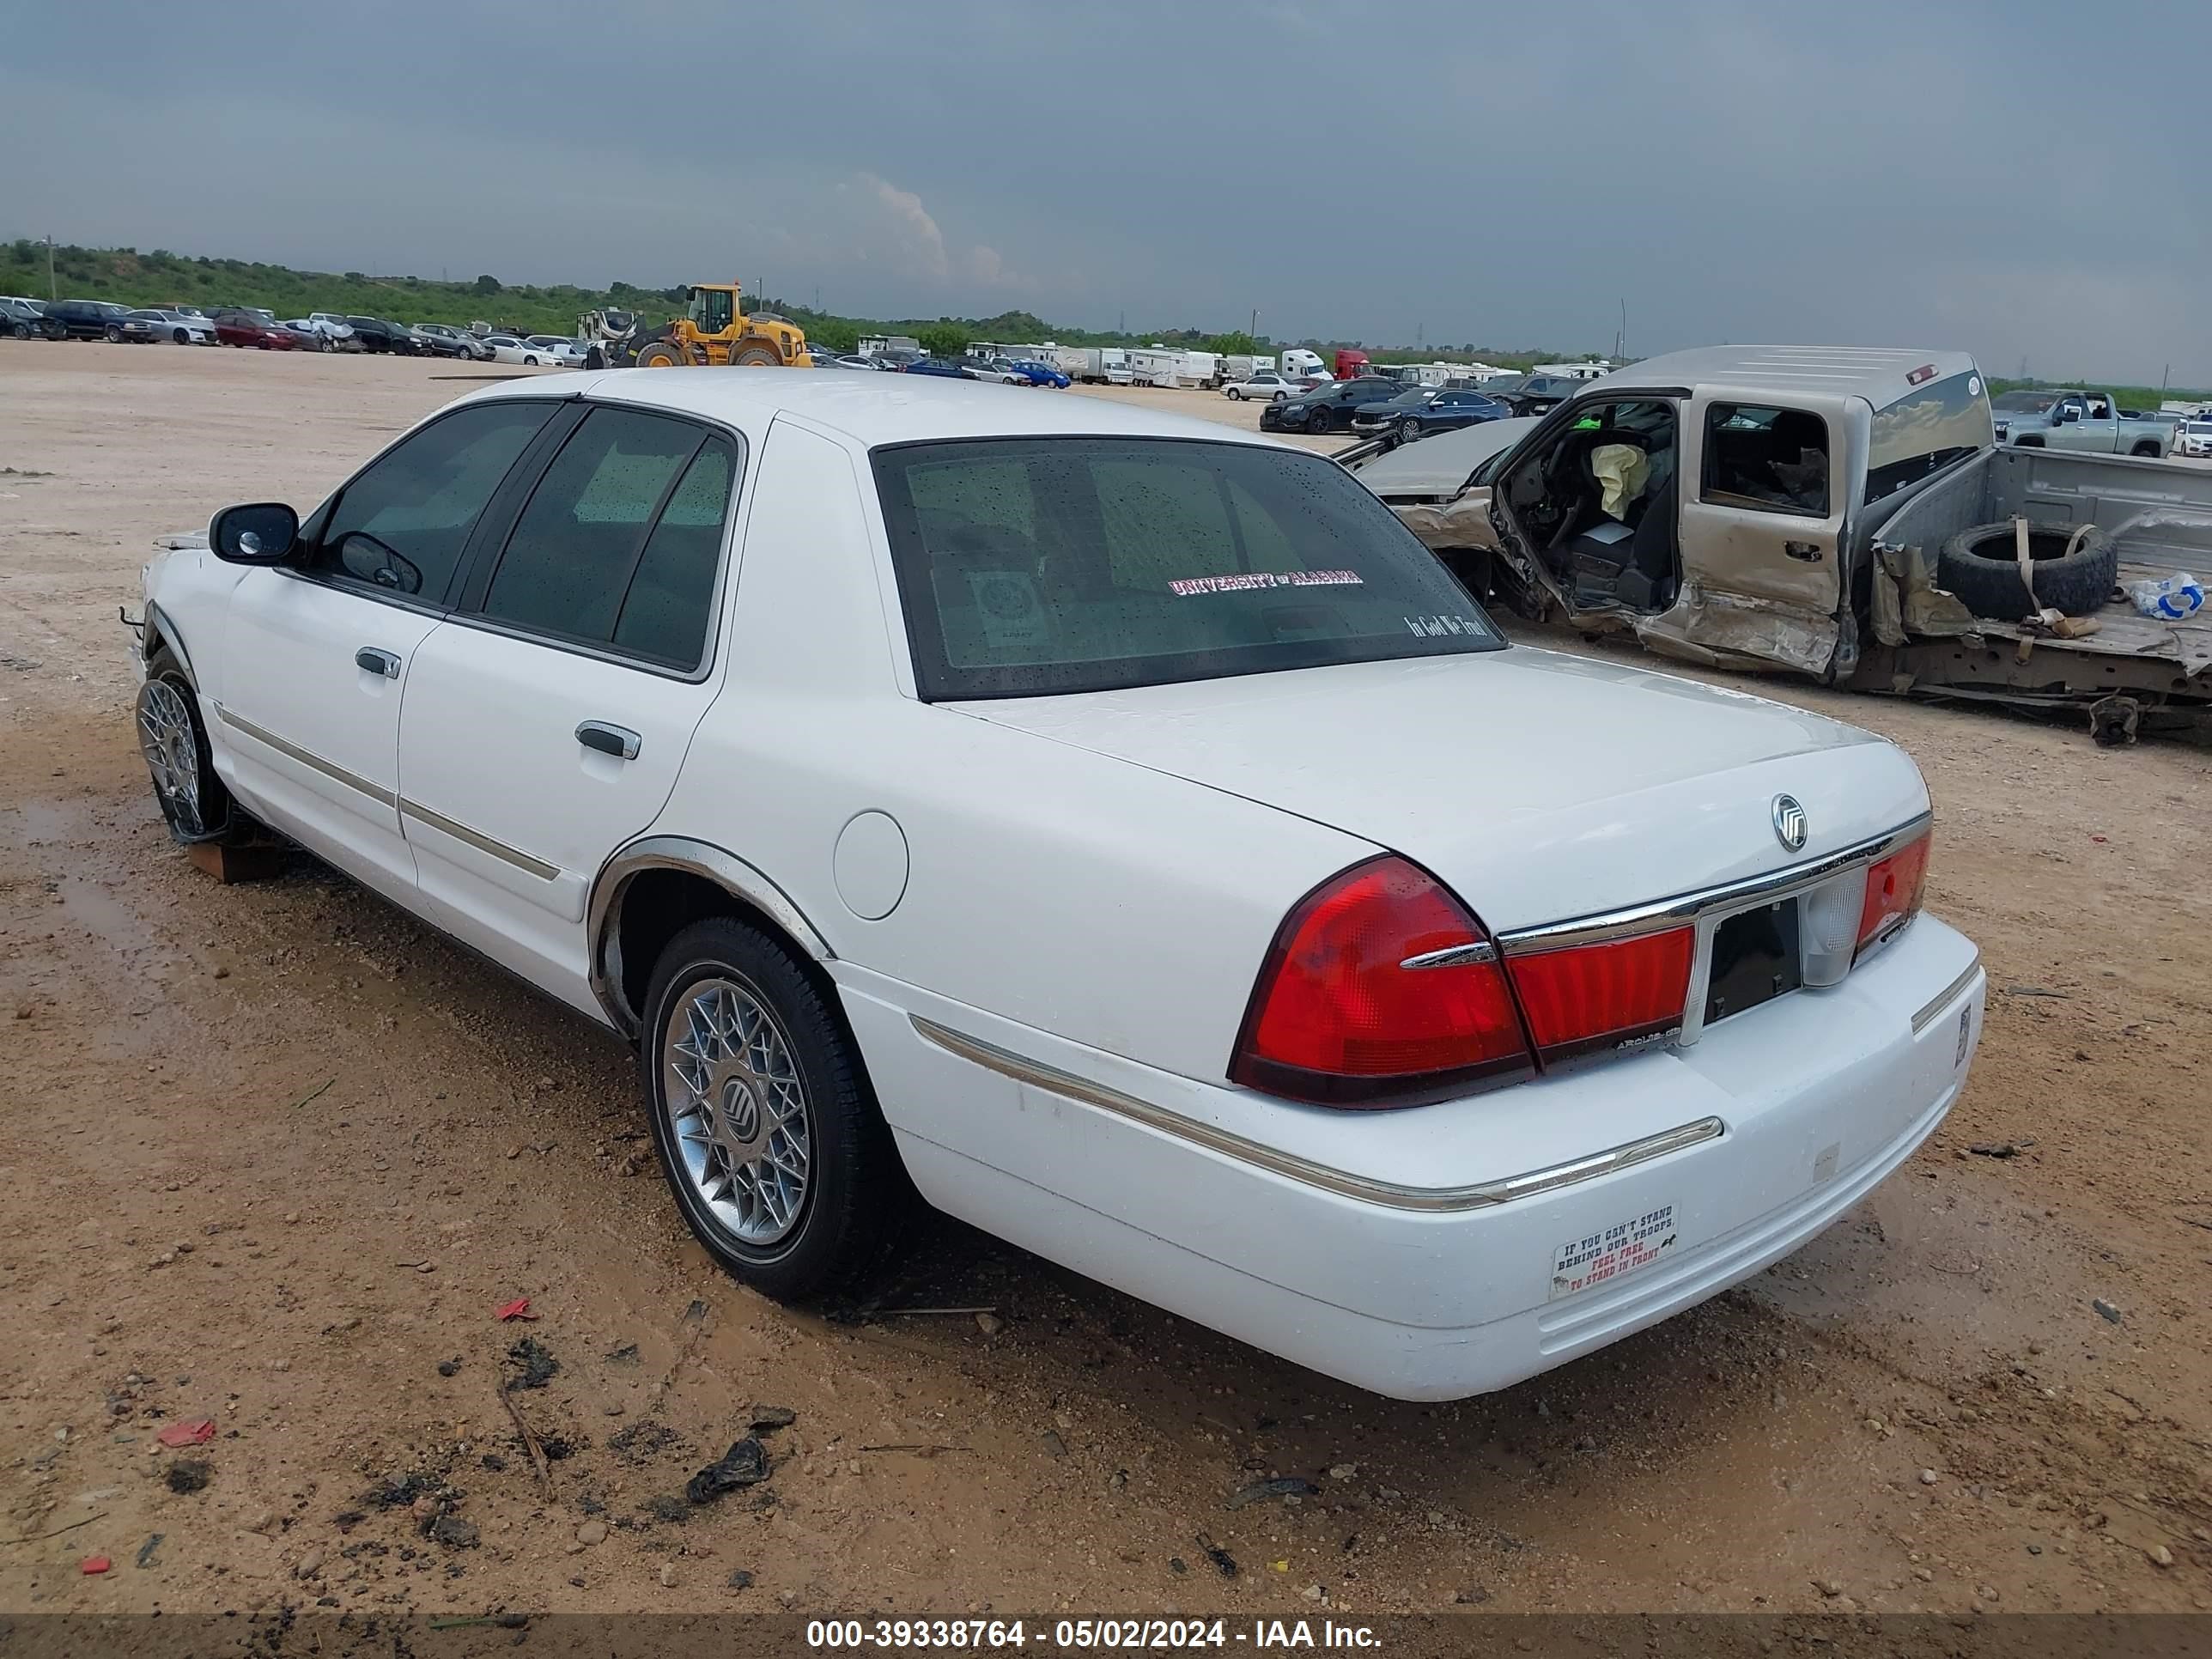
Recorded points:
(1876, 374)
(878, 409)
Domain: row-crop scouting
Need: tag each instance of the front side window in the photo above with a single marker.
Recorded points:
(1036, 566)
(621, 540)
(1771, 459)
(402, 525)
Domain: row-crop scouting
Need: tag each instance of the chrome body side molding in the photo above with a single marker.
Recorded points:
(1390, 1195)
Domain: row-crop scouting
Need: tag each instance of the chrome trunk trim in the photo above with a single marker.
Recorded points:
(1390, 1194)
(1685, 908)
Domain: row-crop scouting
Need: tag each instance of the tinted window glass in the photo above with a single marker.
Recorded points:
(1932, 426)
(1030, 566)
(1773, 459)
(570, 558)
(402, 525)
(671, 598)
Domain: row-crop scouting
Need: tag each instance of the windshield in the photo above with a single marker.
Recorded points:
(2200, 429)
(2031, 402)
(1034, 566)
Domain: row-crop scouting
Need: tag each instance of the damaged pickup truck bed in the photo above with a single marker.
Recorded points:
(1789, 508)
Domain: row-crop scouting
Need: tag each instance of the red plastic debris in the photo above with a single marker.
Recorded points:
(93, 1564)
(197, 1432)
(2097, 838)
(518, 1309)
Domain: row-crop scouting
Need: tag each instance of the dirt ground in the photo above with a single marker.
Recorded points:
(272, 1154)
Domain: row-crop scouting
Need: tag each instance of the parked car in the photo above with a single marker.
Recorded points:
(1419, 410)
(176, 327)
(936, 368)
(2194, 439)
(1034, 373)
(1265, 385)
(374, 334)
(998, 369)
(850, 361)
(333, 331)
(241, 328)
(444, 340)
(1135, 879)
(1533, 394)
(84, 319)
(21, 319)
(1327, 407)
(2061, 418)
(510, 348)
(322, 335)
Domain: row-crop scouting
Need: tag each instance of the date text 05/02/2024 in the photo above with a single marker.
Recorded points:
(1085, 1634)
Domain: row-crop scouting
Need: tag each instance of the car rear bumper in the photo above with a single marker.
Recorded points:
(1424, 1260)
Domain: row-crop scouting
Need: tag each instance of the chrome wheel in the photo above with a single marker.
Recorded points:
(737, 1109)
(172, 750)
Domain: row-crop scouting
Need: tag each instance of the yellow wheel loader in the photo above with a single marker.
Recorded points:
(714, 330)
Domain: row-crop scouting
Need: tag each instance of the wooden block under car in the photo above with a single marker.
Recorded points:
(235, 864)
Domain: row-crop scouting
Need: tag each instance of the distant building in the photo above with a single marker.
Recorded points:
(1594, 369)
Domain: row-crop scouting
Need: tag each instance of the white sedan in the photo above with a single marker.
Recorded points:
(1264, 386)
(946, 798)
(178, 327)
(507, 348)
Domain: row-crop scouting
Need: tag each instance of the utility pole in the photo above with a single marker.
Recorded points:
(52, 293)
(1254, 330)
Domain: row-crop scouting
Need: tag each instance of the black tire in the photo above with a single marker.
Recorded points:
(856, 1197)
(2148, 447)
(205, 811)
(1409, 430)
(114, 335)
(1317, 421)
(1979, 566)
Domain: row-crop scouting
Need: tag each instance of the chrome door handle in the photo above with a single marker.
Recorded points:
(616, 740)
(386, 663)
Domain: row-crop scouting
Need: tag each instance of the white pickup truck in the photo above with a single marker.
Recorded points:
(2055, 417)
(1840, 512)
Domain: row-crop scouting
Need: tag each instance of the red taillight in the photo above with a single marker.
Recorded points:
(1589, 996)
(1338, 1017)
(1894, 888)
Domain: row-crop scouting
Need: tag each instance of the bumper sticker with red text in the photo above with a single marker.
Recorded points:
(1617, 1250)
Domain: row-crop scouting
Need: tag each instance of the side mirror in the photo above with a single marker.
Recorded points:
(261, 533)
(2069, 414)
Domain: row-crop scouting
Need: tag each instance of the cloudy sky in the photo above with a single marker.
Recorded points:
(2027, 181)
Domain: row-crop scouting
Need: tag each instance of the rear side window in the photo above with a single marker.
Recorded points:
(1040, 565)
(402, 525)
(1932, 426)
(1770, 459)
(621, 540)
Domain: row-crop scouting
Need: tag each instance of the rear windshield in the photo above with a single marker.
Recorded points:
(1032, 566)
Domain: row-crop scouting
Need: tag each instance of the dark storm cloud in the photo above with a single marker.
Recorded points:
(1991, 177)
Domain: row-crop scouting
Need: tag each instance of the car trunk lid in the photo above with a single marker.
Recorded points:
(1539, 787)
